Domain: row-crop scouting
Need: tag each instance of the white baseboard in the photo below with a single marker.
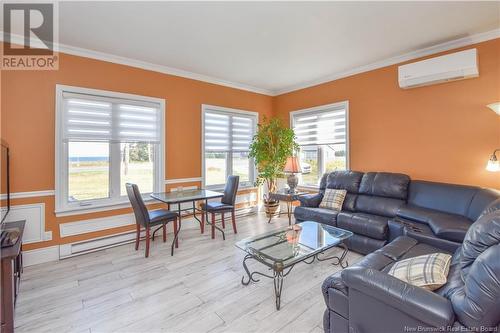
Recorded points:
(40, 256)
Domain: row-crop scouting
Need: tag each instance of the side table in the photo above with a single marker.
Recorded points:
(289, 198)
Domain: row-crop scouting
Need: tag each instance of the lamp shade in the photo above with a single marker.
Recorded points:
(495, 107)
(292, 165)
(493, 164)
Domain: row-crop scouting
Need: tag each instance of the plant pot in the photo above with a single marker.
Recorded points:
(272, 208)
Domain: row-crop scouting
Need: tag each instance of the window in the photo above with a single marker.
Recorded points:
(322, 134)
(104, 140)
(227, 134)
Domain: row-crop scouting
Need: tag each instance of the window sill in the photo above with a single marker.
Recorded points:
(70, 211)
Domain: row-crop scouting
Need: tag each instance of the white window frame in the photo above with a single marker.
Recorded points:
(62, 206)
(252, 170)
(327, 107)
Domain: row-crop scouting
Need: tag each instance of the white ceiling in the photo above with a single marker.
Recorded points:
(271, 46)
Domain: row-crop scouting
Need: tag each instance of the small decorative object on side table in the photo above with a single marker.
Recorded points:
(289, 197)
(292, 167)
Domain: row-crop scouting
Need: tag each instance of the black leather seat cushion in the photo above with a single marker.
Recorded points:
(321, 215)
(445, 225)
(216, 207)
(373, 226)
(160, 215)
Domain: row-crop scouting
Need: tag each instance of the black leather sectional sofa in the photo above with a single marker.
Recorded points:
(394, 218)
(381, 206)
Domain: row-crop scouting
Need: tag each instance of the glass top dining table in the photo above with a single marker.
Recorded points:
(185, 196)
(179, 197)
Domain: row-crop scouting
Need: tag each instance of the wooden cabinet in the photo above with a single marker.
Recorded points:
(11, 270)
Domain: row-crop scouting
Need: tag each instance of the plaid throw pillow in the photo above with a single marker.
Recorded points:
(428, 271)
(333, 199)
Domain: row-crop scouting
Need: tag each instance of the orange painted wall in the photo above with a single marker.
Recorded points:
(28, 123)
(441, 133)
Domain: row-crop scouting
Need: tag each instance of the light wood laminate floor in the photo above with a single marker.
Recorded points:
(196, 290)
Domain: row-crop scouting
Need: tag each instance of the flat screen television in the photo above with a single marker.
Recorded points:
(4, 181)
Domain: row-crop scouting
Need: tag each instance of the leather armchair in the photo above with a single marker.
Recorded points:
(364, 298)
(384, 296)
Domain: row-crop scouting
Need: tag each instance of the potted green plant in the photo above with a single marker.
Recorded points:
(270, 147)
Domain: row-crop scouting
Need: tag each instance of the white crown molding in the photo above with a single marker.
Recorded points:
(33, 194)
(182, 180)
(87, 53)
(446, 46)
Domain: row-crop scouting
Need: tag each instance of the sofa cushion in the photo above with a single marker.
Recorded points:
(482, 199)
(445, 225)
(428, 271)
(364, 224)
(378, 205)
(385, 184)
(333, 199)
(448, 198)
(364, 244)
(342, 180)
(397, 248)
(321, 215)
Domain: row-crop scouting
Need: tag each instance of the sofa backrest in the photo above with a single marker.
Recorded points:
(476, 298)
(382, 193)
(482, 200)
(468, 201)
(448, 198)
(343, 180)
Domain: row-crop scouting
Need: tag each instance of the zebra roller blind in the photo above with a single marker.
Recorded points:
(96, 118)
(228, 131)
(327, 126)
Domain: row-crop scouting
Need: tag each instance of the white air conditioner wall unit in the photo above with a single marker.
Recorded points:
(450, 67)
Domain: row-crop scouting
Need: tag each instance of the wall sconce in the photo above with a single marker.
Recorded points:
(495, 107)
(493, 163)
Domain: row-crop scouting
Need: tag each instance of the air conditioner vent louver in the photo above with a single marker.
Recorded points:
(450, 67)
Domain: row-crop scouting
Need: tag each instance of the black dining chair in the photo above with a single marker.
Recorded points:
(148, 218)
(226, 204)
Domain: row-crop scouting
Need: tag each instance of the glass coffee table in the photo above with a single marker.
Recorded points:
(281, 249)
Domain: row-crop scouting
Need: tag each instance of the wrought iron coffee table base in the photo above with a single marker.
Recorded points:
(341, 261)
(279, 273)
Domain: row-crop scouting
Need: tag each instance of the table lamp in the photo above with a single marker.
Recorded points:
(292, 167)
(493, 163)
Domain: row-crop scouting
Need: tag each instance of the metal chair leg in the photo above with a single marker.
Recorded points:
(164, 232)
(202, 222)
(213, 225)
(222, 221)
(175, 233)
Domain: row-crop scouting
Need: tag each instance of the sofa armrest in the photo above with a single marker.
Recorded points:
(421, 304)
(311, 200)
